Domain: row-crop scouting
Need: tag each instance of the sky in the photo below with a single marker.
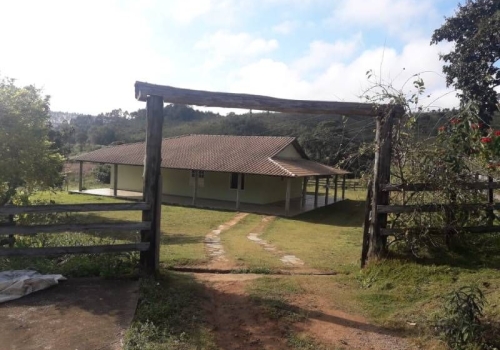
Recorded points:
(87, 55)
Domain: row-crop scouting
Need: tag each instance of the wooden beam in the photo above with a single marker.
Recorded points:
(238, 186)
(335, 190)
(439, 230)
(195, 189)
(433, 208)
(115, 180)
(304, 191)
(327, 189)
(245, 101)
(80, 177)
(343, 187)
(287, 195)
(381, 177)
(316, 189)
(419, 187)
(58, 228)
(366, 226)
(152, 181)
(96, 249)
(72, 208)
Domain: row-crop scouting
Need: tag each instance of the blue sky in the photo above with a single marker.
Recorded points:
(88, 54)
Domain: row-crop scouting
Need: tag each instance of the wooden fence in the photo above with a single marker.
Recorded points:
(381, 231)
(147, 247)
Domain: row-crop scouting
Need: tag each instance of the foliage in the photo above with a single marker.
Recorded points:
(460, 323)
(472, 65)
(102, 173)
(27, 157)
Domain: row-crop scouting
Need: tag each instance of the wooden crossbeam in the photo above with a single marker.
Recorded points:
(71, 208)
(96, 249)
(433, 208)
(433, 187)
(439, 230)
(246, 101)
(58, 228)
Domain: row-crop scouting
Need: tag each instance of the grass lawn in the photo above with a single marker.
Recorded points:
(402, 293)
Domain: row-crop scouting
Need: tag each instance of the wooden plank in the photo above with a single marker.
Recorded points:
(418, 187)
(80, 177)
(381, 177)
(433, 208)
(152, 172)
(245, 101)
(287, 195)
(115, 180)
(72, 208)
(316, 190)
(366, 226)
(343, 187)
(304, 191)
(440, 230)
(335, 189)
(57, 228)
(327, 189)
(96, 249)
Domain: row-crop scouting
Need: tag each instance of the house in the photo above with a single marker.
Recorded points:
(265, 174)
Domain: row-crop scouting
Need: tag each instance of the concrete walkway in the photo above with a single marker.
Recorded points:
(277, 209)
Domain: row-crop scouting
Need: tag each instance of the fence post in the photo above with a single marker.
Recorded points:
(381, 176)
(152, 183)
(491, 201)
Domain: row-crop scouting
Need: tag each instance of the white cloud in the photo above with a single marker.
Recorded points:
(185, 12)
(400, 17)
(223, 46)
(285, 27)
(347, 81)
(321, 53)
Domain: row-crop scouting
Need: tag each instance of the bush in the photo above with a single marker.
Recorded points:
(460, 324)
(102, 173)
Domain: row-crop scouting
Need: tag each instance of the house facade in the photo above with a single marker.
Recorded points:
(254, 170)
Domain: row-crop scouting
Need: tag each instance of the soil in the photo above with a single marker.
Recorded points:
(83, 313)
(237, 322)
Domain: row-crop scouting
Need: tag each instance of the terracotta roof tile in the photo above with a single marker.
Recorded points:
(241, 154)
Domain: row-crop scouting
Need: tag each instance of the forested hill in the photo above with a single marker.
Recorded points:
(326, 138)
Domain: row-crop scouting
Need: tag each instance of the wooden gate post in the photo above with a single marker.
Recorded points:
(381, 177)
(152, 183)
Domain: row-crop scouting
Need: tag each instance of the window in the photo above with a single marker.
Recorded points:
(234, 181)
(201, 178)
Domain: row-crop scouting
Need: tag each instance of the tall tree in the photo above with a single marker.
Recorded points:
(472, 66)
(27, 158)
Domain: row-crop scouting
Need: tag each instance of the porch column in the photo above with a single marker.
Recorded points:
(287, 196)
(115, 180)
(195, 189)
(238, 186)
(343, 187)
(304, 192)
(316, 188)
(327, 189)
(80, 177)
(335, 190)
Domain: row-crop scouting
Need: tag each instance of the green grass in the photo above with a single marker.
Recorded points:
(170, 316)
(248, 255)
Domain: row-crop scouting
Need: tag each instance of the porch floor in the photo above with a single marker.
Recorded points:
(277, 209)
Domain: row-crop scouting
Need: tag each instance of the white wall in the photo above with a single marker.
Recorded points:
(259, 189)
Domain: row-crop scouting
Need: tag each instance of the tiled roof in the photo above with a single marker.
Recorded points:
(239, 154)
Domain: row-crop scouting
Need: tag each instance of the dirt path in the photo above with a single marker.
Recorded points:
(238, 322)
(213, 246)
(82, 313)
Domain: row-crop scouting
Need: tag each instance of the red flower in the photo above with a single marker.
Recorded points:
(497, 133)
(485, 139)
(441, 128)
(454, 121)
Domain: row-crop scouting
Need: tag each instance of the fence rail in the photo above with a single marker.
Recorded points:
(12, 229)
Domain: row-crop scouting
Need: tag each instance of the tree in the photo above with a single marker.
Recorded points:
(472, 66)
(27, 158)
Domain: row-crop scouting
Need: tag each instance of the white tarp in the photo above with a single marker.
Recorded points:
(17, 283)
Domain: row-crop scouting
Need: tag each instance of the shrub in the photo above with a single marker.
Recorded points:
(102, 173)
(460, 324)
